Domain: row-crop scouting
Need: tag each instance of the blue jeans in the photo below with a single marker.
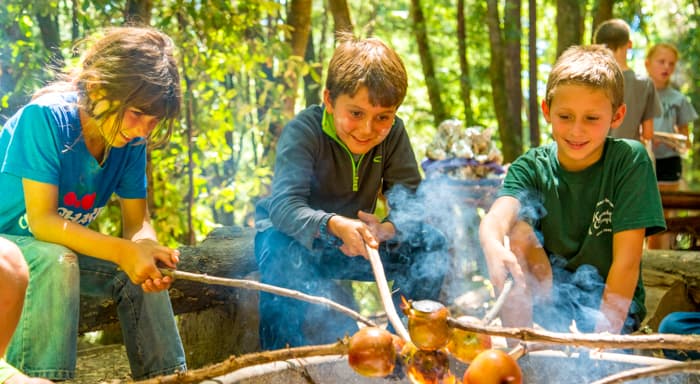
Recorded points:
(681, 323)
(417, 265)
(45, 341)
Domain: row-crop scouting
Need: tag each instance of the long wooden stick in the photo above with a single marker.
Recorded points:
(654, 371)
(498, 304)
(254, 285)
(234, 363)
(589, 340)
(385, 293)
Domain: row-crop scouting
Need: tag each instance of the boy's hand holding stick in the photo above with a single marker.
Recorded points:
(385, 293)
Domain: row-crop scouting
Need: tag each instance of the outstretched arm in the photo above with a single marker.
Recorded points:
(494, 228)
(622, 280)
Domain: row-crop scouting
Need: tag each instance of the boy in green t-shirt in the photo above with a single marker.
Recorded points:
(570, 221)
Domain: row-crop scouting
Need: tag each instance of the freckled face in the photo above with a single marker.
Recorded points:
(581, 118)
(359, 124)
(661, 66)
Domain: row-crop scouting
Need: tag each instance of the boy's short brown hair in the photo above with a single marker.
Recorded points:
(592, 66)
(367, 62)
(613, 33)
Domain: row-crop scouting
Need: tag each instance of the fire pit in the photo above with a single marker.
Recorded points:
(541, 367)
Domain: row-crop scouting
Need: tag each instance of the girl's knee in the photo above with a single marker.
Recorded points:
(52, 261)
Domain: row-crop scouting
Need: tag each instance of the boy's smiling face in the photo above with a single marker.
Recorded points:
(358, 123)
(581, 117)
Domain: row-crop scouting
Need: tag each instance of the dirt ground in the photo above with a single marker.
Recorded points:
(106, 364)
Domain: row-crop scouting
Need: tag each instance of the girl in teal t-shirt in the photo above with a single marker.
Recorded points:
(62, 156)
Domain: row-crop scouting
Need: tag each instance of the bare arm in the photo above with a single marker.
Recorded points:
(622, 280)
(647, 130)
(683, 129)
(492, 231)
(137, 228)
(133, 257)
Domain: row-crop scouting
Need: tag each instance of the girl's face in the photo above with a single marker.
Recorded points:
(581, 118)
(359, 124)
(661, 66)
(134, 124)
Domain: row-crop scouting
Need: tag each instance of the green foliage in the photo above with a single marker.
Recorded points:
(235, 57)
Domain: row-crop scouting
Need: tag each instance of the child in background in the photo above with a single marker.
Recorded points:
(575, 212)
(642, 102)
(63, 156)
(14, 277)
(677, 114)
(332, 162)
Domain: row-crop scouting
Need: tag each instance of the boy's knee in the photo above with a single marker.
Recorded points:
(522, 235)
(12, 264)
(522, 238)
(680, 323)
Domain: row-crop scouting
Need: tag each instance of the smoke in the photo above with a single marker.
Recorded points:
(446, 211)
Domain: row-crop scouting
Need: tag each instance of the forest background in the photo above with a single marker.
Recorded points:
(249, 65)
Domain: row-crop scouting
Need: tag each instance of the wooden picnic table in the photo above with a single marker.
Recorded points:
(681, 199)
(686, 200)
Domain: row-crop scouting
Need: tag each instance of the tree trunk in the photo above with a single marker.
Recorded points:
(48, 25)
(464, 83)
(513, 67)
(421, 32)
(138, 12)
(341, 15)
(569, 24)
(299, 19)
(74, 23)
(533, 99)
(603, 11)
(498, 83)
(312, 80)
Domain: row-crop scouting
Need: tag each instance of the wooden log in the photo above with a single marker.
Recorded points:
(672, 283)
(677, 264)
(226, 252)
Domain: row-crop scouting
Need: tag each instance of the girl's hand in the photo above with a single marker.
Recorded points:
(354, 234)
(142, 266)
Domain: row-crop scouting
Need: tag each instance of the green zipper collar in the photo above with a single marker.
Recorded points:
(328, 127)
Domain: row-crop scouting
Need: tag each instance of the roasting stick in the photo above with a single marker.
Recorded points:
(653, 371)
(385, 294)
(254, 285)
(498, 304)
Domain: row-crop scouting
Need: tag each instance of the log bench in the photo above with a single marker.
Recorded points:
(226, 252)
(216, 322)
